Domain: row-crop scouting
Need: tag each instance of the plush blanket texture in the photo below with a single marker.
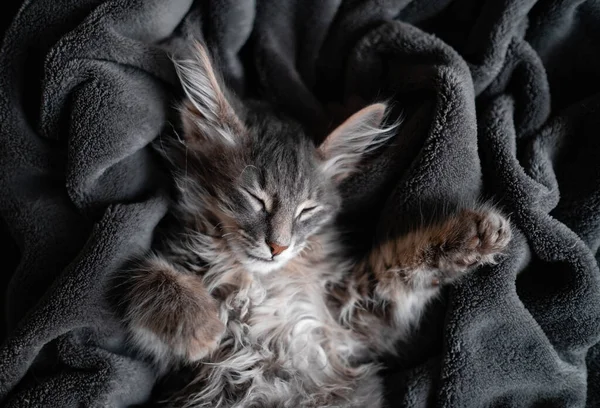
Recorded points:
(501, 98)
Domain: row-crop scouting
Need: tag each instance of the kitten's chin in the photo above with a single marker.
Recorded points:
(258, 265)
(261, 267)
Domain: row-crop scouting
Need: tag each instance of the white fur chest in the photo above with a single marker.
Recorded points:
(282, 346)
(294, 322)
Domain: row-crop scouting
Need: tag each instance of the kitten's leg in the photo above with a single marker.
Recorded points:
(386, 293)
(444, 252)
(170, 313)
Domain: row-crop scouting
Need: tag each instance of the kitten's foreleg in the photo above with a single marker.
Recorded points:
(384, 296)
(170, 313)
(443, 252)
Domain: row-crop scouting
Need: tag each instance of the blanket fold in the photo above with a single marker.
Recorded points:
(500, 99)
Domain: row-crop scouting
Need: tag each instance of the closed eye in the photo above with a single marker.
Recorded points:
(257, 203)
(307, 212)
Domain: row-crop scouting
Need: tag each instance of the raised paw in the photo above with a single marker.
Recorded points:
(171, 313)
(471, 238)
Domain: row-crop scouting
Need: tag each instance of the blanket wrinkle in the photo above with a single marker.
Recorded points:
(500, 100)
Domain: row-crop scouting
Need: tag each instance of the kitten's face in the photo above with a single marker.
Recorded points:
(257, 177)
(277, 198)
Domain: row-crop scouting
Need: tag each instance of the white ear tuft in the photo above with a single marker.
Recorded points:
(361, 133)
(206, 109)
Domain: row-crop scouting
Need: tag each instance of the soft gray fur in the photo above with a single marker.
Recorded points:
(502, 98)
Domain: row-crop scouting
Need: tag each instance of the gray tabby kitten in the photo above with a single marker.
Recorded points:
(252, 287)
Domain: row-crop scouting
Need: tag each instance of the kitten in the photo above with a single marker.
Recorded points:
(252, 286)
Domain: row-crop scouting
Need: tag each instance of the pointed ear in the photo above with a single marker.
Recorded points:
(344, 148)
(206, 112)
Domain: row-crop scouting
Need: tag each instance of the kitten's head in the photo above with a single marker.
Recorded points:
(257, 177)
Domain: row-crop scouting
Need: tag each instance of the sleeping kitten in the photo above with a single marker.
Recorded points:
(252, 287)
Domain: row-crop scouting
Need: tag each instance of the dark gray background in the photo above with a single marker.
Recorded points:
(501, 98)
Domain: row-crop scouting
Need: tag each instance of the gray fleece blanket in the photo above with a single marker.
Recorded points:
(501, 99)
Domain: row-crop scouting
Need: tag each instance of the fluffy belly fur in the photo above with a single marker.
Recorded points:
(283, 347)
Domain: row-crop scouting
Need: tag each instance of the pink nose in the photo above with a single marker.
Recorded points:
(276, 249)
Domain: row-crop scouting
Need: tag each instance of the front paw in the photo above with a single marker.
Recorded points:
(171, 313)
(472, 238)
